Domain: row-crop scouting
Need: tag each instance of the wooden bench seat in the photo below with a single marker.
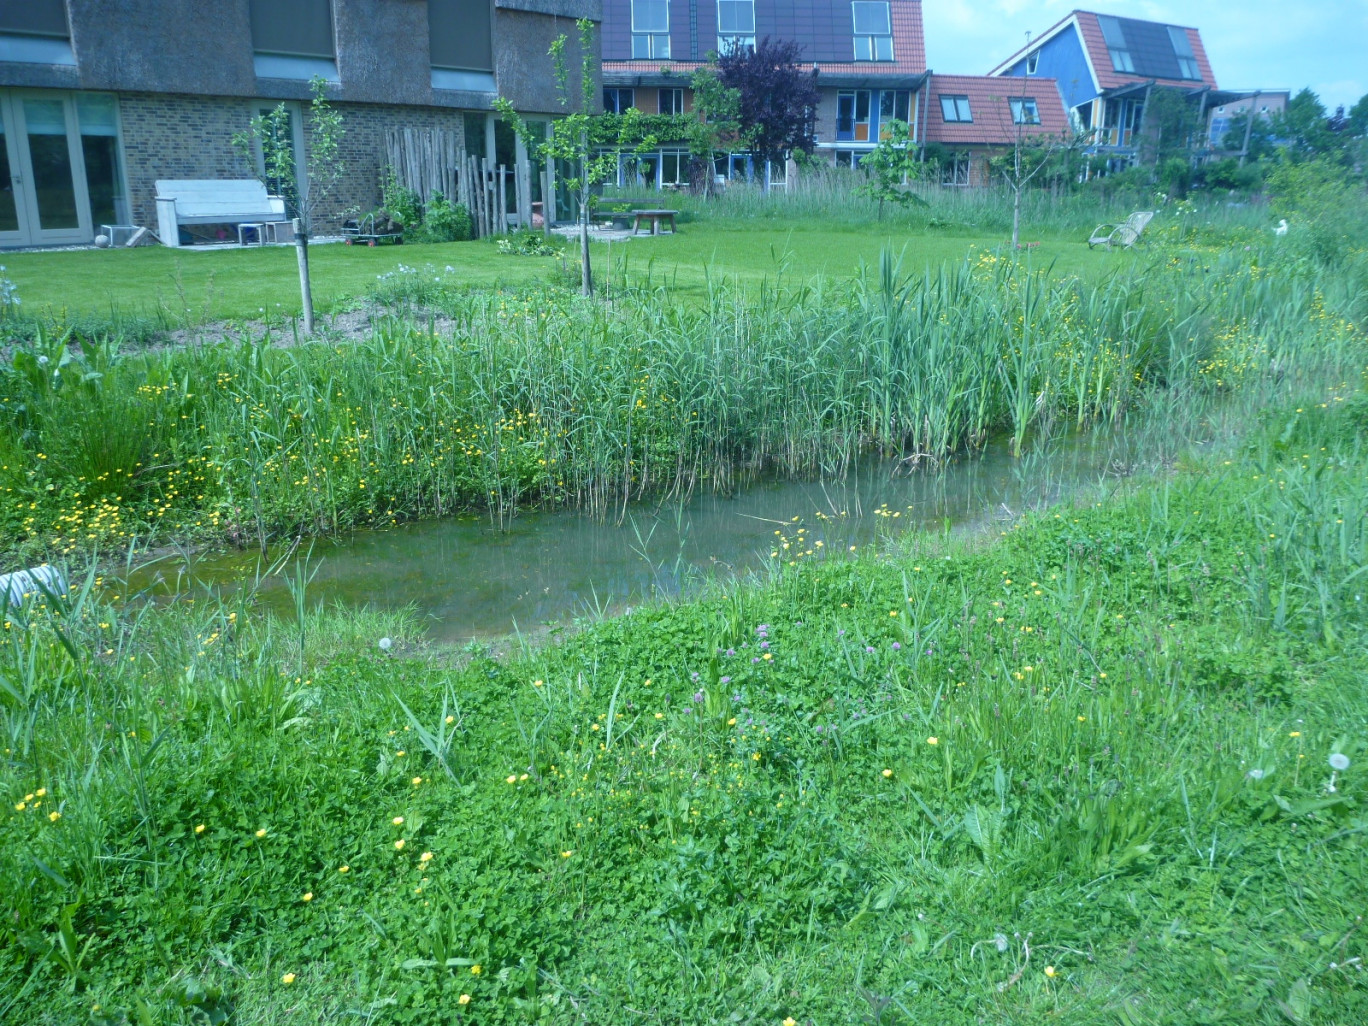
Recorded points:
(227, 201)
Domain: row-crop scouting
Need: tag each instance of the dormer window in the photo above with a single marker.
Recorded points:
(1033, 63)
(873, 30)
(650, 29)
(735, 25)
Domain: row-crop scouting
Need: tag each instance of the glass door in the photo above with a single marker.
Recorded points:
(46, 168)
(14, 229)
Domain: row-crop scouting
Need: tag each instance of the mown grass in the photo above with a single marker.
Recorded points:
(1078, 775)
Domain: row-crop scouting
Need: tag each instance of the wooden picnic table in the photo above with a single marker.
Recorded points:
(654, 217)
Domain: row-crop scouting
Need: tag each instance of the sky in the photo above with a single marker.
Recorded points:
(1268, 44)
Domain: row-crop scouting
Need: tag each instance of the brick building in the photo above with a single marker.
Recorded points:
(870, 59)
(972, 118)
(101, 98)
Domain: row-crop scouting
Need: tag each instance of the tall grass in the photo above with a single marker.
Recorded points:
(541, 398)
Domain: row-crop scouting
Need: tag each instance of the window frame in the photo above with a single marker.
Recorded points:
(956, 99)
(1117, 47)
(871, 46)
(1033, 62)
(650, 43)
(618, 92)
(676, 100)
(1022, 106)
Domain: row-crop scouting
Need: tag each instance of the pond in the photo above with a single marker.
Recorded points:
(469, 579)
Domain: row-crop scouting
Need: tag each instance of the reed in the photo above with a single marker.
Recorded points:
(538, 398)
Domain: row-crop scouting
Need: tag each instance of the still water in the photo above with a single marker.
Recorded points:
(469, 579)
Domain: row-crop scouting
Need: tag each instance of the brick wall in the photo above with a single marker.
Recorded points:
(171, 136)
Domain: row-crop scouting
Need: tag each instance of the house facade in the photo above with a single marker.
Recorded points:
(972, 118)
(869, 57)
(1106, 69)
(99, 99)
(1229, 110)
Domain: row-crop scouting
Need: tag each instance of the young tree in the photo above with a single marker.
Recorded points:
(890, 166)
(777, 101)
(577, 139)
(1031, 153)
(323, 169)
(716, 120)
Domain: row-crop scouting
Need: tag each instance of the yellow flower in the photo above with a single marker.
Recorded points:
(288, 979)
(20, 806)
(344, 869)
(464, 999)
(199, 829)
(475, 970)
(261, 833)
(398, 821)
(54, 816)
(566, 854)
(1082, 719)
(425, 857)
(513, 777)
(887, 773)
(308, 896)
(399, 844)
(450, 720)
(790, 1021)
(1295, 733)
(933, 740)
(594, 726)
(41, 792)
(399, 753)
(1050, 971)
(538, 683)
(660, 716)
(756, 756)
(731, 722)
(417, 781)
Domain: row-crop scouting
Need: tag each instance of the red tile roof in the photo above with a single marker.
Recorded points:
(991, 111)
(1109, 79)
(909, 51)
(1095, 46)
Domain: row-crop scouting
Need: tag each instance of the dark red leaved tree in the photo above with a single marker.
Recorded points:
(778, 109)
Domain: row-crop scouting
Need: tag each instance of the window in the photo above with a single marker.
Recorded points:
(1220, 110)
(671, 101)
(650, 29)
(894, 104)
(617, 101)
(1182, 48)
(852, 116)
(1033, 63)
(1025, 111)
(1116, 43)
(35, 32)
(955, 108)
(735, 25)
(674, 169)
(955, 169)
(293, 28)
(873, 30)
(460, 33)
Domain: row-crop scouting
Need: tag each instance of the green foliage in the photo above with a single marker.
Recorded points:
(443, 221)
(1096, 742)
(400, 203)
(891, 166)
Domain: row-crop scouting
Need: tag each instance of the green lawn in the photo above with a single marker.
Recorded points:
(173, 287)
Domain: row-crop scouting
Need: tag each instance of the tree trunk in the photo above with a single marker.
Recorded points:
(305, 289)
(586, 273)
(1016, 219)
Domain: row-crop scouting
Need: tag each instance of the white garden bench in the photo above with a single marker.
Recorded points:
(230, 201)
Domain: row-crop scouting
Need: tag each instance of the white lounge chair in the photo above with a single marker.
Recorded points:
(1125, 234)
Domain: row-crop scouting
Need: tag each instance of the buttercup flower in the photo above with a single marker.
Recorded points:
(308, 896)
(1050, 971)
(933, 740)
(464, 999)
(261, 833)
(288, 979)
(399, 844)
(887, 773)
(398, 821)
